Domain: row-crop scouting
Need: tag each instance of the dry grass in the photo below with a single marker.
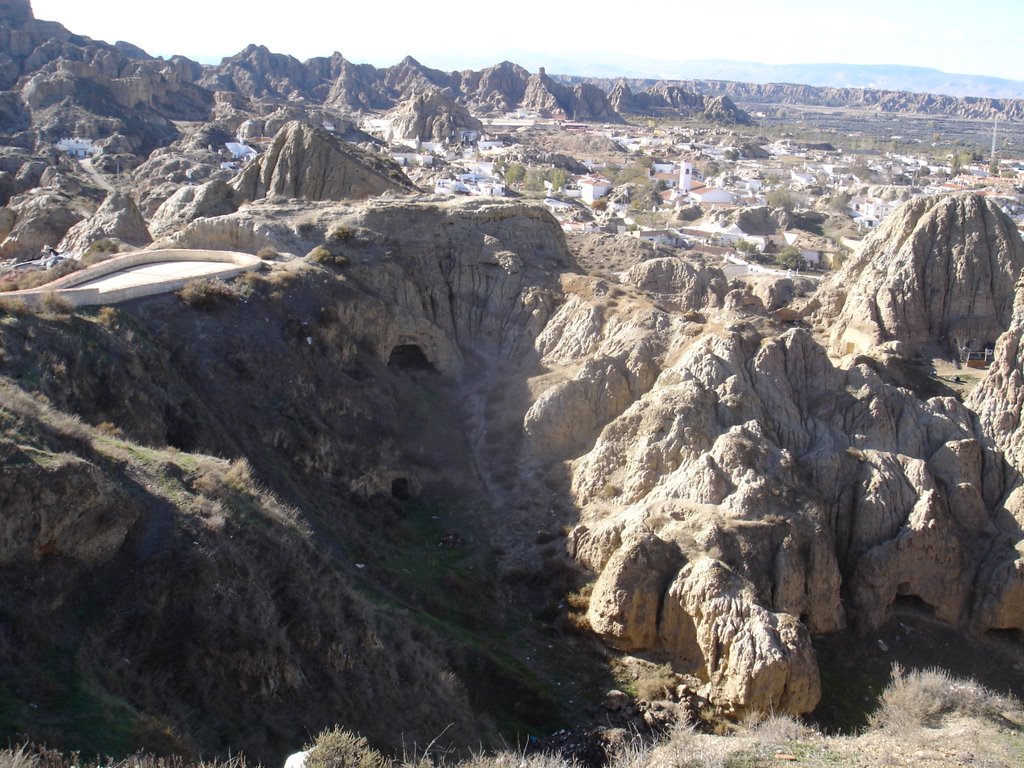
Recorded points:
(34, 756)
(207, 293)
(339, 748)
(924, 698)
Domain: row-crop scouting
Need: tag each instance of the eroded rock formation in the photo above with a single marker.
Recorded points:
(432, 116)
(118, 219)
(939, 271)
(311, 164)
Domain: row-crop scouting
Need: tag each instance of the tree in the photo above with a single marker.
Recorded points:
(782, 198)
(558, 178)
(534, 180)
(789, 258)
(514, 174)
(731, 155)
(840, 201)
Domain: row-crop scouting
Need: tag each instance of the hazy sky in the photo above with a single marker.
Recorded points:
(983, 37)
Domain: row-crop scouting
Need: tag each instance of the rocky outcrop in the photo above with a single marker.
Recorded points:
(256, 73)
(665, 98)
(685, 286)
(938, 271)
(544, 95)
(215, 198)
(500, 88)
(738, 492)
(580, 102)
(40, 219)
(999, 400)
(118, 218)
(408, 77)
(356, 87)
(872, 98)
(432, 116)
(311, 164)
(71, 85)
(754, 659)
(721, 109)
(591, 103)
(881, 100)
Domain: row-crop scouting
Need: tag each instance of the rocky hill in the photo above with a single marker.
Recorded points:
(791, 93)
(665, 98)
(436, 469)
(939, 272)
(654, 460)
(311, 164)
(62, 84)
(431, 115)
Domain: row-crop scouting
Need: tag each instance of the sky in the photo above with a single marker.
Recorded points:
(981, 37)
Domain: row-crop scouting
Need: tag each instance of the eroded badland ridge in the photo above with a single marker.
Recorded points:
(452, 465)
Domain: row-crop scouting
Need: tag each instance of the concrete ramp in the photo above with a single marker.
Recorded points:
(141, 273)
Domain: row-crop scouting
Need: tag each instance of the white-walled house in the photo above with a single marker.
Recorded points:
(241, 151)
(77, 147)
(712, 196)
(869, 211)
(413, 158)
(593, 188)
(801, 178)
(671, 237)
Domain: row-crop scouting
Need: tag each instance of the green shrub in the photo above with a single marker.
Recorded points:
(107, 316)
(206, 293)
(100, 250)
(322, 255)
(319, 254)
(55, 304)
(338, 748)
(341, 233)
(13, 307)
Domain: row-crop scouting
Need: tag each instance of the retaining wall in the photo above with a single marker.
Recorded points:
(66, 287)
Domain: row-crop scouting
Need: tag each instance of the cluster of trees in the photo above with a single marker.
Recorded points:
(532, 179)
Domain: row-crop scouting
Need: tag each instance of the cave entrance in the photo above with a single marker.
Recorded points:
(913, 604)
(409, 357)
(400, 488)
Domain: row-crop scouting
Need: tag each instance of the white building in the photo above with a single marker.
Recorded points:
(686, 176)
(241, 151)
(78, 147)
(869, 211)
(593, 188)
(712, 196)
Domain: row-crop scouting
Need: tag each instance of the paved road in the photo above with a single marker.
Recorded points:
(146, 274)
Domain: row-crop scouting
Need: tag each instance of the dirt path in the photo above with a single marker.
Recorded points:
(90, 169)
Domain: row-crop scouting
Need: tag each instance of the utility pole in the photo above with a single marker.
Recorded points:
(995, 124)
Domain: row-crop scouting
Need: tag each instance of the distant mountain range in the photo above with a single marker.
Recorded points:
(889, 77)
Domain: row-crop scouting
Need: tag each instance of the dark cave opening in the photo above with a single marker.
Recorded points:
(409, 357)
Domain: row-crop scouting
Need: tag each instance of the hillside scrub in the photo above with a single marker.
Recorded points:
(926, 718)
